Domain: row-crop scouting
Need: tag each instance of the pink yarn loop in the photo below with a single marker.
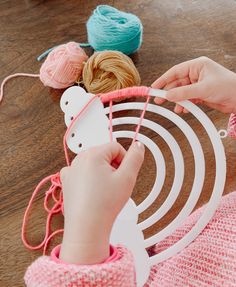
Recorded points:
(63, 66)
(54, 192)
(56, 208)
(71, 125)
(14, 76)
(56, 232)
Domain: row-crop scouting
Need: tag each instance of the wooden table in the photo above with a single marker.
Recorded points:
(31, 122)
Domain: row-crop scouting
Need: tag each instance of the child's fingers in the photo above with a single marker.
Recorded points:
(112, 152)
(77, 158)
(132, 162)
(63, 173)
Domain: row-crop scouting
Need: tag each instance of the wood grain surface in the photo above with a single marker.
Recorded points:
(31, 122)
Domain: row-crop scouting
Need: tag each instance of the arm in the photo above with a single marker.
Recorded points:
(199, 80)
(95, 188)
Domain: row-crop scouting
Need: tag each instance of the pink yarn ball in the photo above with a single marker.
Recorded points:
(63, 66)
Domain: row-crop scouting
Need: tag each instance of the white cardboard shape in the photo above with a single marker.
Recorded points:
(125, 230)
(91, 129)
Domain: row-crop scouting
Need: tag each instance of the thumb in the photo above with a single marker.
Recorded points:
(193, 91)
(132, 162)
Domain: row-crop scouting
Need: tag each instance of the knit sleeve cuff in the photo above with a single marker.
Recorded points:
(117, 270)
(232, 126)
(114, 255)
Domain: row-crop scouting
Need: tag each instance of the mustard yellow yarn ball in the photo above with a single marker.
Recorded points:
(108, 71)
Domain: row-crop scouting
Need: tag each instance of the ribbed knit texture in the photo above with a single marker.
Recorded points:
(45, 272)
(232, 126)
(210, 260)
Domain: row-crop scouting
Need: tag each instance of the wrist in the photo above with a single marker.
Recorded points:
(85, 241)
(87, 228)
(84, 253)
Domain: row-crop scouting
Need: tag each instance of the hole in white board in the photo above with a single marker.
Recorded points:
(223, 133)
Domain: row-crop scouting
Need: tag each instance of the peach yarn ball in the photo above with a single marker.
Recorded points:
(108, 71)
(63, 66)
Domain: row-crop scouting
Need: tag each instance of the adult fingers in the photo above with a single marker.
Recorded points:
(189, 69)
(159, 101)
(177, 72)
(174, 84)
(177, 83)
(178, 109)
(194, 91)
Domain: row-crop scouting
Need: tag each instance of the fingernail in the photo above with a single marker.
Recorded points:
(139, 145)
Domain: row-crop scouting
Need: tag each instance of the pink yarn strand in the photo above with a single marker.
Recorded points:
(141, 119)
(51, 192)
(110, 121)
(124, 94)
(71, 125)
(57, 207)
(14, 76)
(50, 238)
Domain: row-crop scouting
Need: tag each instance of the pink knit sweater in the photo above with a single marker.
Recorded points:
(208, 261)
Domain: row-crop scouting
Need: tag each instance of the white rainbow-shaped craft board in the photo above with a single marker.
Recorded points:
(92, 128)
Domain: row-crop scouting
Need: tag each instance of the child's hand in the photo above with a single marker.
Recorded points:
(95, 188)
(201, 80)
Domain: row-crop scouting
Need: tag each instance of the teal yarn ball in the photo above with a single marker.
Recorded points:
(111, 29)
